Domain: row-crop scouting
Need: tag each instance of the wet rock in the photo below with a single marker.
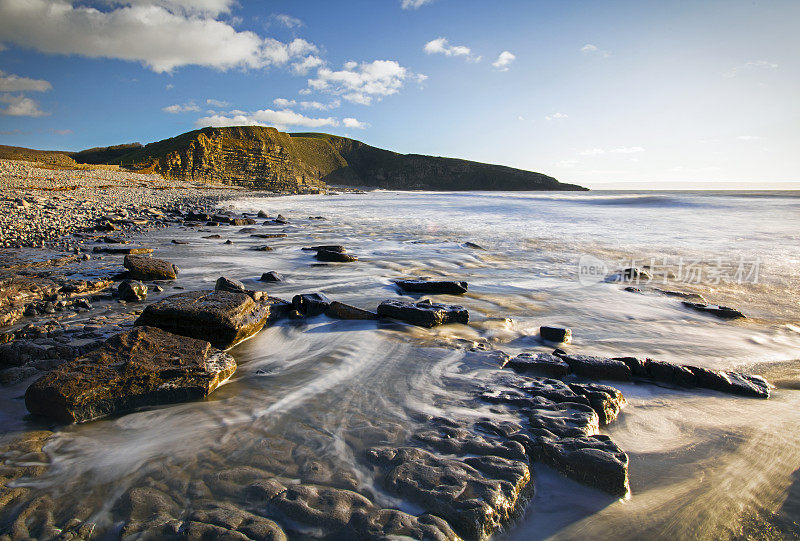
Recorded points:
(696, 297)
(132, 291)
(474, 504)
(242, 221)
(142, 367)
(311, 304)
(335, 257)
(151, 513)
(539, 363)
(327, 248)
(423, 313)
(226, 284)
(564, 419)
(212, 237)
(271, 276)
(122, 250)
(218, 520)
(176, 241)
(593, 460)
(223, 318)
(268, 235)
(263, 248)
(674, 374)
(473, 246)
(149, 268)
(731, 382)
(395, 524)
(330, 508)
(722, 312)
(432, 286)
(340, 310)
(597, 367)
(605, 401)
(461, 441)
(558, 335)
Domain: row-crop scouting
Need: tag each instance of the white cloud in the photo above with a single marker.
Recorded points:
(307, 64)
(181, 108)
(19, 105)
(320, 106)
(288, 21)
(15, 83)
(503, 62)
(413, 4)
(161, 34)
(364, 83)
(283, 103)
(750, 66)
(590, 48)
(556, 116)
(217, 103)
(617, 150)
(442, 46)
(281, 120)
(353, 123)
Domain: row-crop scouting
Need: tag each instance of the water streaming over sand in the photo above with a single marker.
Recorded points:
(309, 396)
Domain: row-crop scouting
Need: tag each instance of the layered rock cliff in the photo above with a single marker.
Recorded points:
(260, 157)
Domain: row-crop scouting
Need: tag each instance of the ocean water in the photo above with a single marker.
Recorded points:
(309, 396)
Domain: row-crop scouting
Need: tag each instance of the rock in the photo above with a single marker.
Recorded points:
(474, 246)
(460, 441)
(682, 295)
(268, 235)
(263, 248)
(223, 318)
(122, 250)
(271, 276)
(226, 284)
(564, 419)
(149, 268)
(597, 367)
(593, 460)
(132, 291)
(219, 520)
(176, 241)
(340, 310)
(212, 237)
(327, 248)
(722, 312)
(605, 401)
(474, 504)
(423, 313)
(558, 335)
(674, 374)
(432, 286)
(311, 304)
(142, 367)
(335, 257)
(262, 214)
(731, 382)
(242, 221)
(539, 363)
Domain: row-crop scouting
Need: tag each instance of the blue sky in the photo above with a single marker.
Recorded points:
(602, 93)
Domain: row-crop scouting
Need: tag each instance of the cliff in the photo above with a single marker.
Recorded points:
(260, 157)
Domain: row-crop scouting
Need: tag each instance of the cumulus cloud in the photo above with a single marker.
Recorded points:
(284, 103)
(413, 4)
(161, 34)
(442, 46)
(15, 83)
(556, 116)
(307, 64)
(364, 83)
(319, 106)
(590, 48)
(282, 120)
(19, 105)
(618, 150)
(353, 123)
(181, 108)
(288, 21)
(217, 103)
(750, 66)
(503, 62)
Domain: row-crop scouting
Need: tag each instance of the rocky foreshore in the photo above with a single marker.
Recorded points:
(91, 330)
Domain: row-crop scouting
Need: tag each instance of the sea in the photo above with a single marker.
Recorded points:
(310, 395)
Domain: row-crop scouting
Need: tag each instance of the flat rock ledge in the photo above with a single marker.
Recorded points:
(142, 367)
(149, 268)
(224, 318)
(449, 287)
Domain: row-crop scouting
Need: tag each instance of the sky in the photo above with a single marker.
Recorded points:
(603, 93)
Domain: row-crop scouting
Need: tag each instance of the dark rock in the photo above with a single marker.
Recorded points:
(637, 367)
(340, 310)
(559, 335)
(226, 284)
(120, 250)
(242, 221)
(722, 312)
(268, 235)
(423, 313)
(593, 460)
(263, 248)
(132, 291)
(327, 247)
(221, 317)
(473, 246)
(432, 286)
(681, 295)
(605, 401)
(311, 304)
(229, 241)
(218, 520)
(212, 237)
(149, 268)
(674, 374)
(460, 441)
(565, 419)
(262, 214)
(142, 367)
(539, 363)
(731, 382)
(335, 257)
(597, 367)
(271, 276)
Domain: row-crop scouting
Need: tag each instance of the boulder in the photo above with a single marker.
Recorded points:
(335, 257)
(340, 310)
(223, 318)
(722, 312)
(423, 313)
(432, 286)
(311, 304)
(142, 367)
(263, 248)
(268, 235)
(558, 335)
(731, 382)
(539, 363)
(597, 367)
(226, 284)
(327, 248)
(271, 276)
(132, 291)
(242, 221)
(120, 250)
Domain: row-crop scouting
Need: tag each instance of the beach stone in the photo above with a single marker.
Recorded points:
(263, 248)
(474, 504)
(271, 276)
(327, 248)
(122, 250)
(142, 367)
(132, 291)
(226, 284)
(311, 304)
(268, 235)
(597, 367)
(335, 257)
(242, 221)
(340, 310)
(223, 318)
(722, 312)
(423, 313)
(558, 335)
(432, 286)
(539, 363)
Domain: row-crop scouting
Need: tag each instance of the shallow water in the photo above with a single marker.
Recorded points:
(309, 396)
